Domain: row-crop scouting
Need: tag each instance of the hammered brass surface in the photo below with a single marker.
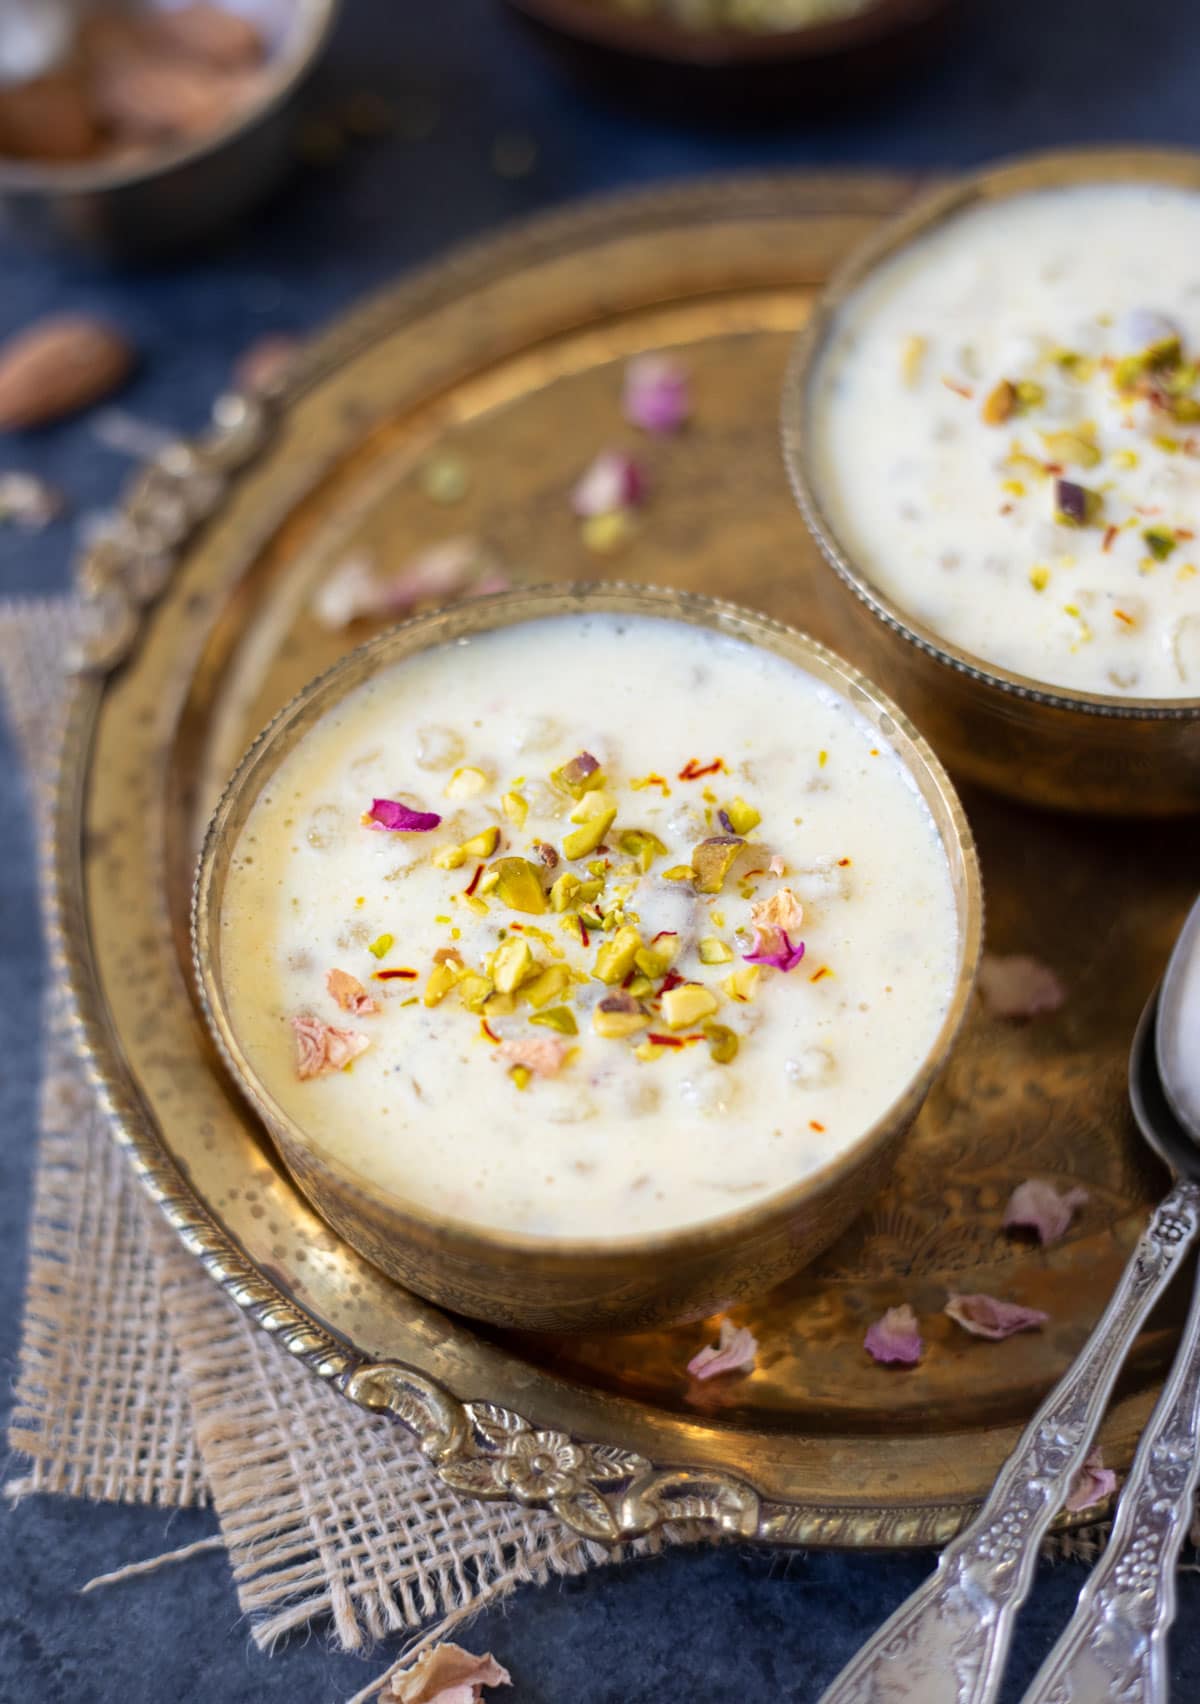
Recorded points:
(512, 354)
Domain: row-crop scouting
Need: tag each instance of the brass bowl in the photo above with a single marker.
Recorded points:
(1070, 750)
(183, 192)
(628, 1283)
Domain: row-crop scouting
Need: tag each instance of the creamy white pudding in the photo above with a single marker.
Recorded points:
(588, 926)
(1006, 427)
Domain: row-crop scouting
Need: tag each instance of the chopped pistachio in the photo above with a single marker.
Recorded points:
(1186, 409)
(549, 984)
(473, 903)
(912, 355)
(722, 1043)
(1039, 577)
(580, 775)
(466, 783)
(515, 808)
(589, 915)
(521, 1075)
(512, 963)
(742, 817)
(1163, 353)
(603, 534)
(1124, 458)
(687, 1004)
(559, 1018)
(999, 403)
(564, 891)
(381, 946)
(642, 846)
(1029, 395)
(1076, 505)
(595, 813)
(519, 886)
(598, 869)
(450, 857)
(445, 480)
(488, 882)
(1076, 445)
(713, 951)
(640, 987)
(1128, 372)
(742, 984)
(650, 1050)
(442, 979)
(499, 1005)
(1160, 542)
(679, 873)
(484, 844)
(713, 859)
(618, 1015)
(615, 959)
(473, 990)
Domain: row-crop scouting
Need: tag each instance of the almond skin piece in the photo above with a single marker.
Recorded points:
(56, 367)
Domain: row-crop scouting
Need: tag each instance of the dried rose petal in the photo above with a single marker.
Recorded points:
(613, 482)
(895, 1337)
(985, 1316)
(783, 912)
(656, 394)
(734, 1352)
(396, 818)
(1092, 1484)
(357, 590)
(321, 1049)
(1014, 985)
(445, 1675)
(266, 362)
(1035, 1206)
(777, 867)
(349, 993)
(773, 947)
(543, 1055)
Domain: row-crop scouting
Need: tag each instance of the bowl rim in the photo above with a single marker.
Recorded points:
(1008, 178)
(505, 609)
(656, 38)
(315, 22)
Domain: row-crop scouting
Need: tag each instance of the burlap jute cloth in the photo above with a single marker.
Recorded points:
(140, 1382)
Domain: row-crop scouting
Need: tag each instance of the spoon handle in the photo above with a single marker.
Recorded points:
(949, 1642)
(1115, 1644)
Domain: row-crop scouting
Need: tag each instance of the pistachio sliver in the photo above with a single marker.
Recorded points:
(518, 885)
(559, 1018)
(615, 959)
(582, 774)
(589, 834)
(713, 951)
(618, 1015)
(688, 1004)
(722, 1043)
(512, 963)
(549, 984)
(713, 859)
(642, 846)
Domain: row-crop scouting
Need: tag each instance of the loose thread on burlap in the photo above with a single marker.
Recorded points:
(152, 1564)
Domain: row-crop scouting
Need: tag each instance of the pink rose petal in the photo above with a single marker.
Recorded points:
(1016, 986)
(543, 1055)
(895, 1337)
(613, 482)
(1036, 1206)
(349, 993)
(656, 394)
(1092, 1484)
(321, 1049)
(777, 866)
(396, 818)
(772, 946)
(445, 1675)
(735, 1352)
(985, 1316)
(358, 590)
(783, 911)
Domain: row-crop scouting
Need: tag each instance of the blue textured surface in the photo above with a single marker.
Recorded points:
(733, 1627)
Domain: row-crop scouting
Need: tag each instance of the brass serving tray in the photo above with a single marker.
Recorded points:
(511, 353)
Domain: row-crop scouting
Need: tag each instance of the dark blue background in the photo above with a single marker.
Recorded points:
(715, 1628)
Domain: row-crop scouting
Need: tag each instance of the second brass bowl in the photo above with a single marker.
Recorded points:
(1043, 744)
(628, 1283)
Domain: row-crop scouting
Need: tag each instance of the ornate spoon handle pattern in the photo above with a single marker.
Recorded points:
(1114, 1649)
(949, 1642)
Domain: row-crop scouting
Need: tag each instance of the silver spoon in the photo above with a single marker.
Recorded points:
(948, 1643)
(1115, 1643)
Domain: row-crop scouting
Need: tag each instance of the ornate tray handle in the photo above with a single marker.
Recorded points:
(600, 1491)
(127, 566)
(949, 1642)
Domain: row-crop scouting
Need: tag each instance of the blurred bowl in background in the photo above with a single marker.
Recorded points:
(740, 74)
(178, 193)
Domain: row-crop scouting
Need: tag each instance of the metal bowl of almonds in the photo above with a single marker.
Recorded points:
(137, 129)
(737, 59)
(992, 426)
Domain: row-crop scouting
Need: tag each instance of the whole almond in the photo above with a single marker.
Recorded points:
(57, 367)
